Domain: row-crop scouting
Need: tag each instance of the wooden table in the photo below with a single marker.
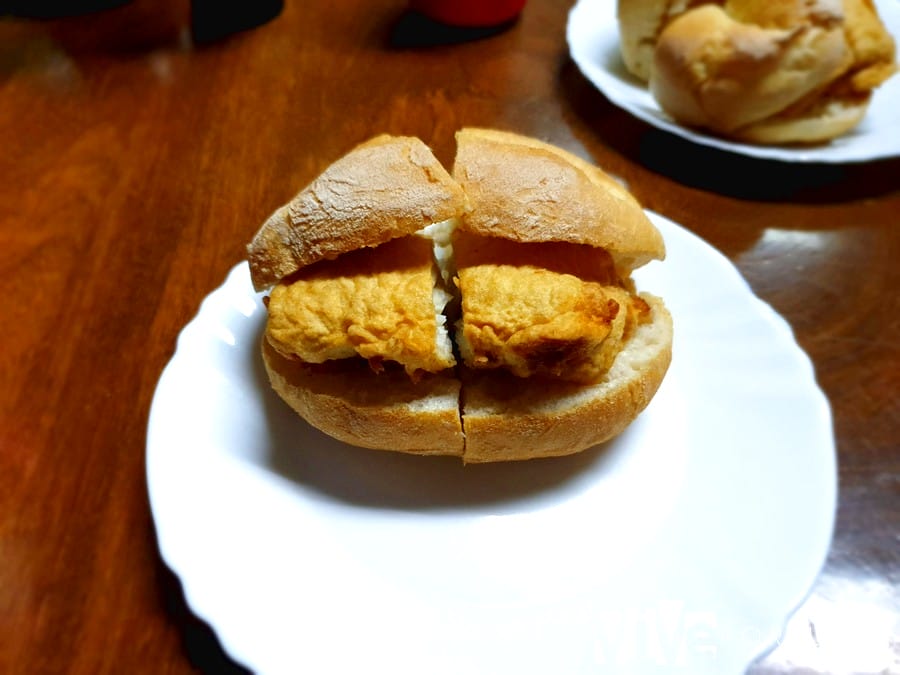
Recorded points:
(135, 166)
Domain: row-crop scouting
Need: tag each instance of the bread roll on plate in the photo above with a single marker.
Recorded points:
(488, 315)
(771, 72)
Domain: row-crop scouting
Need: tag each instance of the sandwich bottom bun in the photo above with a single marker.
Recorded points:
(346, 399)
(480, 417)
(507, 418)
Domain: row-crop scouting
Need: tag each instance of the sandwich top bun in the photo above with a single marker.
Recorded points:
(788, 71)
(525, 190)
(553, 350)
(355, 203)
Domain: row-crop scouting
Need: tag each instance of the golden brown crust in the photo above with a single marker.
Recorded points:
(772, 72)
(505, 419)
(384, 411)
(385, 188)
(715, 71)
(525, 190)
(874, 50)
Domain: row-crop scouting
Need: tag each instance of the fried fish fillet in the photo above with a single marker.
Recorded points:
(545, 309)
(378, 303)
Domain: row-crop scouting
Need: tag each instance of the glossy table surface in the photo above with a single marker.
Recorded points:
(135, 166)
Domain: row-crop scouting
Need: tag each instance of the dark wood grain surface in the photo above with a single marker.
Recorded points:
(134, 167)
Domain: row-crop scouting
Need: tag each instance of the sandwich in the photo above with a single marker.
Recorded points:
(487, 314)
(761, 72)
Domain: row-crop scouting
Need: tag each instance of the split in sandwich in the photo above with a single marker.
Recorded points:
(488, 314)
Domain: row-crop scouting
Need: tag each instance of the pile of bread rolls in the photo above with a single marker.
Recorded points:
(759, 71)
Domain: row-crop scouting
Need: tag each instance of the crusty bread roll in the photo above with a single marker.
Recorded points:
(477, 411)
(761, 71)
(524, 190)
(640, 22)
(353, 204)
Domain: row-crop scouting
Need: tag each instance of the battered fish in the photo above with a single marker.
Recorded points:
(383, 304)
(547, 309)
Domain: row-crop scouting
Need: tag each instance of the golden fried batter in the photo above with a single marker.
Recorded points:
(541, 308)
(376, 303)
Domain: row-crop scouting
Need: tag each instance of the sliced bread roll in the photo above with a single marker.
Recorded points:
(341, 313)
(559, 352)
(356, 341)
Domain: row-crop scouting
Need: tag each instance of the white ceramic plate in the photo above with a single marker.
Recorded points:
(593, 37)
(683, 545)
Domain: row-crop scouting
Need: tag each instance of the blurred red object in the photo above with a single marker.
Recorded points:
(469, 13)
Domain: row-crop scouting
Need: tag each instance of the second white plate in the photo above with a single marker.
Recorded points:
(593, 37)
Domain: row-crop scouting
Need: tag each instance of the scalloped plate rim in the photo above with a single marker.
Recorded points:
(184, 563)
